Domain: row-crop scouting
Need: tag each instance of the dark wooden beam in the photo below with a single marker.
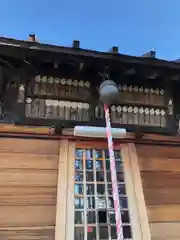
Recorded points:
(146, 61)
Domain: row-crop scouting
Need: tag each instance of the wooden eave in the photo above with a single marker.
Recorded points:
(78, 52)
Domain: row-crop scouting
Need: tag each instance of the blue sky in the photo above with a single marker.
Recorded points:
(136, 26)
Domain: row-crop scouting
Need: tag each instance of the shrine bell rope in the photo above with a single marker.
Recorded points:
(119, 227)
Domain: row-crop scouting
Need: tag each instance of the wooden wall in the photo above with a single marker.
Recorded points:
(28, 186)
(160, 174)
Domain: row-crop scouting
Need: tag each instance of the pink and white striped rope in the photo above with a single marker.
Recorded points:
(119, 227)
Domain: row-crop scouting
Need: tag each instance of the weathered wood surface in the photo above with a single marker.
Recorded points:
(160, 173)
(27, 233)
(28, 192)
(165, 231)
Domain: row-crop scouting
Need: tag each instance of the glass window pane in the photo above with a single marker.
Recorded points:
(101, 202)
(100, 176)
(79, 233)
(79, 203)
(103, 232)
(113, 232)
(112, 217)
(111, 202)
(91, 217)
(107, 165)
(79, 176)
(91, 235)
(121, 189)
(79, 153)
(88, 153)
(108, 176)
(91, 202)
(89, 176)
(125, 216)
(117, 154)
(78, 189)
(98, 154)
(89, 164)
(79, 217)
(100, 189)
(110, 188)
(106, 152)
(119, 166)
(120, 177)
(127, 232)
(102, 217)
(99, 165)
(79, 164)
(123, 202)
(90, 189)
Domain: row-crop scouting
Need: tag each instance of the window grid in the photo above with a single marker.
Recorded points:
(94, 210)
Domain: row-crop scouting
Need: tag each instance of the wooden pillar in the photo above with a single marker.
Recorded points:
(60, 225)
(139, 211)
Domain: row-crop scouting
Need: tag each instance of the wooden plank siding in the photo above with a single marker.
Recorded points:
(160, 174)
(28, 188)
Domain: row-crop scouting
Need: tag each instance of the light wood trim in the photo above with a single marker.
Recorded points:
(139, 193)
(5, 128)
(132, 202)
(60, 226)
(70, 194)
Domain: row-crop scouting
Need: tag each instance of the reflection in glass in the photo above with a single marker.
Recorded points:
(125, 216)
(99, 165)
(91, 202)
(91, 217)
(79, 164)
(123, 202)
(79, 153)
(101, 189)
(79, 217)
(91, 234)
(120, 177)
(79, 176)
(90, 189)
(100, 176)
(94, 207)
(119, 166)
(89, 164)
(103, 232)
(88, 153)
(79, 233)
(78, 189)
(98, 154)
(127, 232)
(89, 176)
(79, 203)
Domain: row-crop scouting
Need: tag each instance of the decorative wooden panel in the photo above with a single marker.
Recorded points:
(53, 109)
(28, 188)
(142, 95)
(61, 88)
(135, 115)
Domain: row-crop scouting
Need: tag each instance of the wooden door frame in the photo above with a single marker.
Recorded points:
(64, 228)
